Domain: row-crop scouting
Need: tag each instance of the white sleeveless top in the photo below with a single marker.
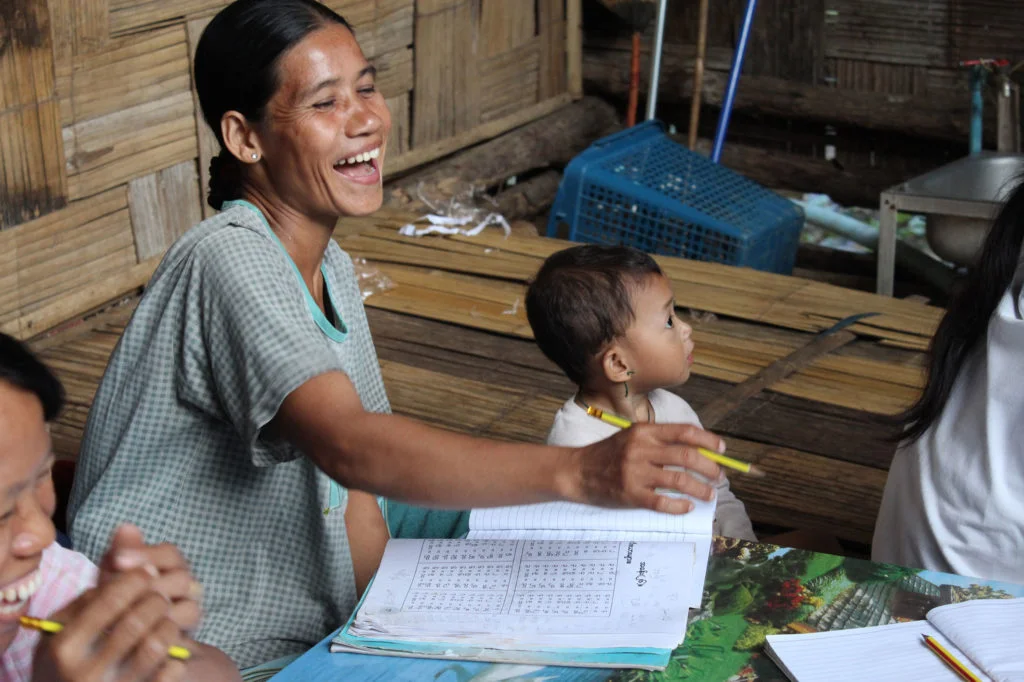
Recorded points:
(954, 500)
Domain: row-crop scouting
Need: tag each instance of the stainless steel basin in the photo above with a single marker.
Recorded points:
(954, 196)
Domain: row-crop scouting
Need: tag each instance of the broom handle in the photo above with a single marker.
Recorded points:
(634, 81)
(659, 37)
(698, 73)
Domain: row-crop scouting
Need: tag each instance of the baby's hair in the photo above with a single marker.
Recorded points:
(582, 299)
(20, 368)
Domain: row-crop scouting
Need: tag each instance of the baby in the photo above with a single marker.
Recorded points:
(606, 316)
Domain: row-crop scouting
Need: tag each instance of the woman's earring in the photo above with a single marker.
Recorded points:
(255, 156)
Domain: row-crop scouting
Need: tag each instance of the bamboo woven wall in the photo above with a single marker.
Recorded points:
(104, 154)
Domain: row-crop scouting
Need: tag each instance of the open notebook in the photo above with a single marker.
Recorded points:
(569, 521)
(546, 602)
(987, 636)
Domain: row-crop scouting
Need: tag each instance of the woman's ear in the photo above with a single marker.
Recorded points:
(240, 138)
(615, 364)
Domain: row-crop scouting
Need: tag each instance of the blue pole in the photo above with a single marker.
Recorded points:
(734, 78)
(977, 108)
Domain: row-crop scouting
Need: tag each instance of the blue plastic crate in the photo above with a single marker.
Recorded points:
(639, 188)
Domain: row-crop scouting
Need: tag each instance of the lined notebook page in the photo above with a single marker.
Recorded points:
(568, 516)
(989, 631)
(887, 653)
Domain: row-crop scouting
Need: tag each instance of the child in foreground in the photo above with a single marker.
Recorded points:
(606, 316)
(119, 618)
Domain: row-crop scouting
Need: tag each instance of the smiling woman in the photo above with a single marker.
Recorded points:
(243, 415)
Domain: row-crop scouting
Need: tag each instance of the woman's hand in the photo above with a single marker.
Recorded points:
(169, 569)
(119, 631)
(626, 469)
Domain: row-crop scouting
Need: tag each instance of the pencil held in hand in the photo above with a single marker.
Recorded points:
(743, 467)
(722, 460)
(51, 627)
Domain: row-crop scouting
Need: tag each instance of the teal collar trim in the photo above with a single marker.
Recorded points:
(332, 332)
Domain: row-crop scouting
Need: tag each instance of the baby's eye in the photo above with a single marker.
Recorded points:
(670, 321)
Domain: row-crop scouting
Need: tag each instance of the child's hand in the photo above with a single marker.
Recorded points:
(120, 630)
(626, 469)
(169, 569)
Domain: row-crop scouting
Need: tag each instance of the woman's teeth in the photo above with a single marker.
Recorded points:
(360, 158)
(14, 597)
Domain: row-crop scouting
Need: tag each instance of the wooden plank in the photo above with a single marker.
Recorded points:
(92, 25)
(505, 25)
(394, 72)
(445, 98)
(132, 16)
(509, 82)
(50, 260)
(517, 363)
(121, 281)
(986, 27)
(32, 180)
(892, 31)
(115, 148)
(574, 47)
(209, 147)
(398, 140)
(163, 206)
(428, 153)
(942, 113)
(809, 491)
(126, 73)
(392, 27)
(553, 60)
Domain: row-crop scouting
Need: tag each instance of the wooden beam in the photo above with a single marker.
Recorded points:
(549, 141)
(428, 153)
(606, 73)
(860, 186)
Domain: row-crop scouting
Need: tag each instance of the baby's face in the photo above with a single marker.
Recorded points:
(27, 502)
(660, 344)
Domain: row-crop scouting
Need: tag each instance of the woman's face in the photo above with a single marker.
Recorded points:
(324, 134)
(26, 503)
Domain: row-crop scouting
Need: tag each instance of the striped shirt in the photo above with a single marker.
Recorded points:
(65, 575)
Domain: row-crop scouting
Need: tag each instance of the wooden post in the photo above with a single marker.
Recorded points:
(574, 46)
(698, 72)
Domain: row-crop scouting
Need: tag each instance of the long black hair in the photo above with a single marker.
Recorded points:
(20, 368)
(236, 69)
(965, 323)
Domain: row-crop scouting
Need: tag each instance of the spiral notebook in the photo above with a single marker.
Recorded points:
(987, 636)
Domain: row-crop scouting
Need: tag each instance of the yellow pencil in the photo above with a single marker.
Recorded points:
(743, 467)
(950, 660)
(53, 627)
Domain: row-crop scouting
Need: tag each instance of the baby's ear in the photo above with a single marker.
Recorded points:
(615, 364)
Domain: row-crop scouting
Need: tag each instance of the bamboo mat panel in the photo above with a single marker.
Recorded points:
(499, 387)
(743, 293)
(497, 305)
